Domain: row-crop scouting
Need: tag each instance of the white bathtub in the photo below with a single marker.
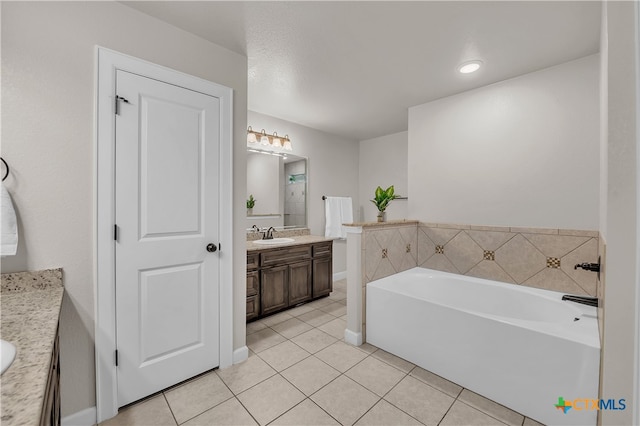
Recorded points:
(519, 346)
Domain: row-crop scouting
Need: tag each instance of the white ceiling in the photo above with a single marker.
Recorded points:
(353, 68)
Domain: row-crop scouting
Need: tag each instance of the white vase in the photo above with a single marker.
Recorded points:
(382, 216)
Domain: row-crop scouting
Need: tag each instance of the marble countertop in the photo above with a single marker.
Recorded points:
(30, 312)
(299, 240)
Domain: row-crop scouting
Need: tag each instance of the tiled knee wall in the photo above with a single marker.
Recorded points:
(534, 257)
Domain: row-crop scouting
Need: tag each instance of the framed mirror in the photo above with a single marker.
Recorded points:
(277, 183)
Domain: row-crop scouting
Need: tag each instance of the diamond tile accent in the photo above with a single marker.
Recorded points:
(439, 262)
(489, 255)
(520, 259)
(490, 240)
(384, 253)
(556, 280)
(371, 256)
(384, 236)
(401, 260)
(463, 252)
(440, 236)
(426, 247)
(384, 269)
(490, 270)
(555, 245)
(553, 262)
(439, 249)
(588, 252)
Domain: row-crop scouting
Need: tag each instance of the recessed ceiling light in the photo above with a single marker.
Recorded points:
(469, 67)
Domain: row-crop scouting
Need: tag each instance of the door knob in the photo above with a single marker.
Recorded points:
(211, 247)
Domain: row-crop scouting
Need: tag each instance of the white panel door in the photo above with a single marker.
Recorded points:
(167, 149)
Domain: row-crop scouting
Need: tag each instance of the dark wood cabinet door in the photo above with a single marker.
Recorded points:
(253, 283)
(299, 282)
(274, 294)
(253, 307)
(322, 277)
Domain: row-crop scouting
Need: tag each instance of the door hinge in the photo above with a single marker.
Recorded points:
(115, 232)
(118, 99)
(116, 357)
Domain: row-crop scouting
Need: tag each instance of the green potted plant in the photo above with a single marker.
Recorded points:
(382, 199)
(250, 203)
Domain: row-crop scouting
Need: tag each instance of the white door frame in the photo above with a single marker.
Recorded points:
(107, 63)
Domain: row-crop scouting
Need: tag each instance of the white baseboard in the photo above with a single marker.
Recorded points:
(340, 276)
(240, 354)
(352, 338)
(86, 417)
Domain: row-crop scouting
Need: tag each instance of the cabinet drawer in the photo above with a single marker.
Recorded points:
(252, 260)
(323, 249)
(285, 255)
(253, 283)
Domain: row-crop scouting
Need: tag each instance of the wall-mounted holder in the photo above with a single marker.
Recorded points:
(593, 267)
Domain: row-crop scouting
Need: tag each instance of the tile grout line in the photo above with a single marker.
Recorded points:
(170, 409)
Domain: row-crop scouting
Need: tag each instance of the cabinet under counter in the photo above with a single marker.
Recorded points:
(279, 278)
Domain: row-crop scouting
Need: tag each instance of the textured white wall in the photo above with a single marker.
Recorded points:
(332, 169)
(383, 162)
(522, 152)
(48, 55)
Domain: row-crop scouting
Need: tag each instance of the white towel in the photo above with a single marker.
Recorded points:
(338, 210)
(9, 223)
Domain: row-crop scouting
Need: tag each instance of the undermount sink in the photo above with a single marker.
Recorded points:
(7, 354)
(274, 241)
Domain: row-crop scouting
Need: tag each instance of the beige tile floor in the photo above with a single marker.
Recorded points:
(300, 372)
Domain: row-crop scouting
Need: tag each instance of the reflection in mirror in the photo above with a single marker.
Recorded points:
(278, 184)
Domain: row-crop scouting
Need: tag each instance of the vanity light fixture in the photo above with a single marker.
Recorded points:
(273, 141)
(264, 139)
(469, 67)
(251, 136)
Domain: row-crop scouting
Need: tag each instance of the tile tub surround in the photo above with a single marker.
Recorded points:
(535, 257)
(542, 258)
(30, 311)
(314, 379)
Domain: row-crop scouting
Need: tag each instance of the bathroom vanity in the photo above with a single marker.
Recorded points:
(284, 275)
(31, 303)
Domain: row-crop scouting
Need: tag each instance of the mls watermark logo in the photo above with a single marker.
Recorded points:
(589, 404)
